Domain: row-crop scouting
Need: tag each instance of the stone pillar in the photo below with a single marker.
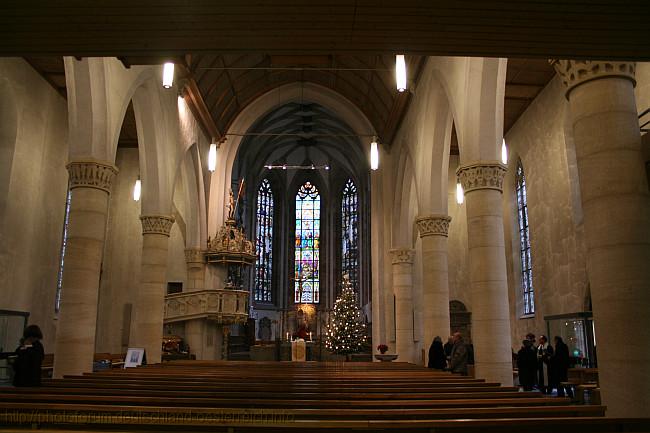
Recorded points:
(402, 261)
(616, 206)
(483, 186)
(196, 339)
(435, 277)
(148, 324)
(90, 185)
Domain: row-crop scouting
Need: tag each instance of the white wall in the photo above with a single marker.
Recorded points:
(32, 193)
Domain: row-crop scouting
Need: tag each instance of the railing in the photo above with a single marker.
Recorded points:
(223, 306)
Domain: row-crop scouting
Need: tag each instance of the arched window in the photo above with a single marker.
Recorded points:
(264, 242)
(306, 260)
(349, 232)
(524, 242)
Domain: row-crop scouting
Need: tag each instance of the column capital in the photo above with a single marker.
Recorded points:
(433, 225)
(482, 175)
(91, 174)
(401, 256)
(194, 255)
(576, 72)
(157, 224)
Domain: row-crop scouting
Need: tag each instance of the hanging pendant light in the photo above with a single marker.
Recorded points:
(460, 194)
(374, 154)
(137, 189)
(504, 152)
(400, 72)
(168, 75)
(212, 157)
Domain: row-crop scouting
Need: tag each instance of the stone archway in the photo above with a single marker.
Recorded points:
(460, 320)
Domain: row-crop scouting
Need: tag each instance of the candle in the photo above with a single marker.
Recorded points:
(309, 335)
(287, 336)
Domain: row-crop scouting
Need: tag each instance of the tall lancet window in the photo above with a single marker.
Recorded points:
(264, 243)
(307, 259)
(349, 232)
(524, 242)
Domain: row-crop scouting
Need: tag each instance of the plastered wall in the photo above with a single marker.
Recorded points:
(33, 187)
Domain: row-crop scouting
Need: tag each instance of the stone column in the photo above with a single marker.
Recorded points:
(195, 259)
(148, 324)
(616, 206)
(402, 261)
(90, 185)
(435, 277)
(483, 186)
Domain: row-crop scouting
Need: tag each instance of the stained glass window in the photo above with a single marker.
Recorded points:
(306, 261)
(524, 242)
(64, 243)
(264, 242)
(349, 233)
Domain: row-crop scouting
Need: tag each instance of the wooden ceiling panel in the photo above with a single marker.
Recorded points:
(526, 29)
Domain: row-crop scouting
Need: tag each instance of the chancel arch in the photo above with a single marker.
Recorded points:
(320, 151)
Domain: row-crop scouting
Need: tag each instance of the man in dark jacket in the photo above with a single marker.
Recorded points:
(560, 367)
(544, 354)
(459, 354)
(527, 365)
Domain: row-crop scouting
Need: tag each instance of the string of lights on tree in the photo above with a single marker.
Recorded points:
(346, 334)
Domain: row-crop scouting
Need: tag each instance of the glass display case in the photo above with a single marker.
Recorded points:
(577, 331)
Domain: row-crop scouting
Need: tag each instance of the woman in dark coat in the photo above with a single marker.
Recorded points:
(29, 358)
(560, 367)
(527, 365)
(437, 358)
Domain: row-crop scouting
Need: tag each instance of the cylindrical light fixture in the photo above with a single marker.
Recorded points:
(137, 189)
(168, 75)
(212, 157)
(504, 152)
(400, 72)
(460, 195)
(374, 154)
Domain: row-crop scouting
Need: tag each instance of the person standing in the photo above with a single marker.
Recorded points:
(527, 365)
(560, 367)
(544, 353)
(437, 358)
(29, 358)
(459, 354)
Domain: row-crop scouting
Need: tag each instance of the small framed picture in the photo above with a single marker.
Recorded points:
(134, 357)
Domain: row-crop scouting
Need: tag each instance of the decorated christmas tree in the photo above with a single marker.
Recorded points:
(346, 333)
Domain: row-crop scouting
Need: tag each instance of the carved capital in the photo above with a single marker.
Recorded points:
(576, 72)
(401, 256)
(433, 225)
(91, 174)
(194, 255)
(482, 175)
(156, 224)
